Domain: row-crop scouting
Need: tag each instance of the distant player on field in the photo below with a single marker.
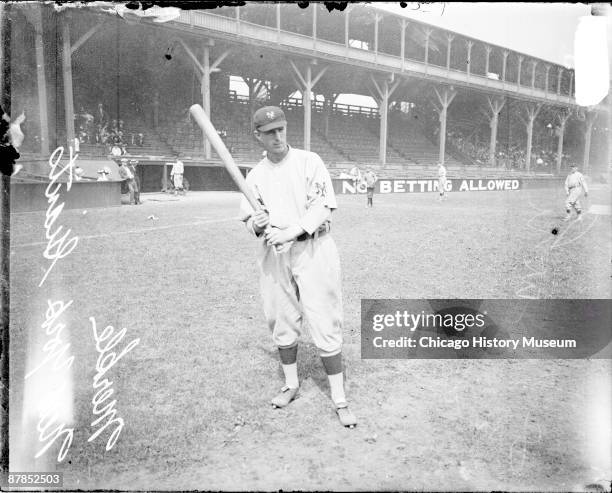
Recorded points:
(441, 181)
(177, 177)
(575, 184)
(370, 179)
(355, 175)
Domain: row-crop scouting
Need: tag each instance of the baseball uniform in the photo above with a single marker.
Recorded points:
(370, 179)
(355, 175)
(575, 184)
(127, 176)
(299, 265)
(299, 190)
(177, 175)
(442, 180)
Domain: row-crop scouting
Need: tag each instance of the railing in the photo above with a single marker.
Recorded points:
(320, 47)
(317, 106)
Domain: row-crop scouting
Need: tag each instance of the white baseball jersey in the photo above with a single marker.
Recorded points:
(441, 172)
(289, 190)
(177, 168)
(370, 178)
(575, 180)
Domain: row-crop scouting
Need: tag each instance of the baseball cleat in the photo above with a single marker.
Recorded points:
(346, 417)
(286, 395)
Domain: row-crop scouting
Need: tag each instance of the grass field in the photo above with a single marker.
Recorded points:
(194, 393)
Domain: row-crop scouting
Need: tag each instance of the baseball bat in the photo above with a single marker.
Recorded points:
(209, 130)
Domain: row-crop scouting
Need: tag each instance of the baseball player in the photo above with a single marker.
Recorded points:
(370, 179)
(177, 177)
(441, 181)
(575, 184)
(355, 173)
(298, 260)
(128, 177)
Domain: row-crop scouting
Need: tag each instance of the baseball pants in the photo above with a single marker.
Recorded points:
(573, 200)
(442, 185)
(303, 283)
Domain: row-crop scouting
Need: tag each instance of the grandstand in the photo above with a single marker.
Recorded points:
(126, 70)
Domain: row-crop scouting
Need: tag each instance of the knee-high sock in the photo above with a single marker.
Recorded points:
(333, 368)
(288, 357)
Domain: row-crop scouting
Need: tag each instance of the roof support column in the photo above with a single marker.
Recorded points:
(559, 74)
(449, 38)
(445, 99)
(156, 110)
(488, 50)
(384, 93)
(532, 111)
(562, 116)
(518, 75)
(204, 69)
(205, 89)
(314, 26)
(377, 18)
(534, 64)
(468, 62)
(346, 28)
(495, 105)
(505, 63)
(307, 83)
(41, 81)
(571, 87)
(546, 82)
(403, 24)
(588, 129)
(428, 33)
(278, 19)
(67, 78)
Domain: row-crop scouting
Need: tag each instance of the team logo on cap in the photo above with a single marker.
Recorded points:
(270, 115)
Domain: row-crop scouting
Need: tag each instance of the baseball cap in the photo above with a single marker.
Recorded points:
(268, 118)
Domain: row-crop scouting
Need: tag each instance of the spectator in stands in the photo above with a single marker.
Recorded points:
(102, 135)
(78, 173)
(121, 143)
(82, 135)
(128, 178)
(140, 140)
(101, 115)
(104, 174)
(177, 177)
(120, 125)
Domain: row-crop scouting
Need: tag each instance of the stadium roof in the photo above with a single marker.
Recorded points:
(543, 31)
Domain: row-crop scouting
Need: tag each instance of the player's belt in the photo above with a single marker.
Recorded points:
(323, 229)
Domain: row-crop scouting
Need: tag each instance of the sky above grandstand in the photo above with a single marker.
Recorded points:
(543, 30)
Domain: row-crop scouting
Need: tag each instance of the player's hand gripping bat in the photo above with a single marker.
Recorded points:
(209, 130)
